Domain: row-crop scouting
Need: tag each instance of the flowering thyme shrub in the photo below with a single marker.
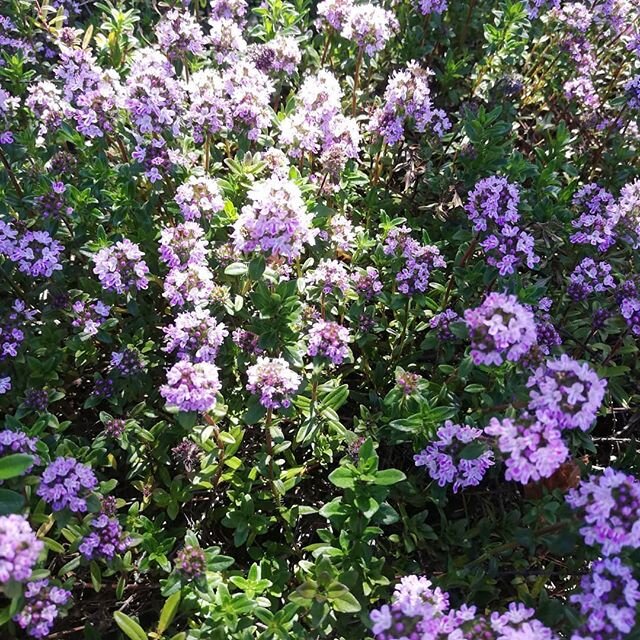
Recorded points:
(319, 319)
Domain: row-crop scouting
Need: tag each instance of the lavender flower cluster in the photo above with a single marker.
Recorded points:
(419, 610)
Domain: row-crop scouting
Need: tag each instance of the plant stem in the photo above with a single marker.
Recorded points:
(269, 443)
(11, 174)
(356, 79)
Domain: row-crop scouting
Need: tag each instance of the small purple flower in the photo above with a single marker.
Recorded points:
(335, 12)
(407, 382)
(66, 483)
(115, 427)
(500, 329)
(566, 390)
(534, 447)
(608, 598)
(494, 200)
(630, 311)
(121, 267)
(37, 254)
(191, 562)
(589, 277)
(102, 388)
(329, 339)
(126, 362)
(179, 34)
(42, 604)
(36, 399)
(609, 505)
(192, 386)
(632, 91)
(441, 322)
(331, 276)
(19, 549)
(246, 341)
(183, 244)
(276, 222)
(199, 197)
(408, 102)
(273, 380)
(90, 316)
(186, 454)
(18, 442)
(104, 540)
(367, 283)
(369, 27)
(193, 284)
(195, 335)
(444, 462)
(428, 7)
(598, 217)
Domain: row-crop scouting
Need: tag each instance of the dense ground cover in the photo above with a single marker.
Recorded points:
(319, 320)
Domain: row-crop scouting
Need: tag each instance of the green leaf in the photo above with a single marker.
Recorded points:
(342, 601)
(236, 269)
(342, 477)
(472, 451)
(10, 502)
(389, 476)
(129, 626)
(168, 612)
(14, 465)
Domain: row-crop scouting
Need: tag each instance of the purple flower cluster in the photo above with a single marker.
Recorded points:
(186, 454)
(276, 222)
(37, 254)
(441, 322)
(369, 27)
(199, 197)
(534, 446)
(43, 602)
(632, 91)
(428, 7)
(330, 276)
(407, 99)
(36, 399)
(420, 611)
(11, 329)
(598, 217)
(318, 126)
(192, 284)
(191, 562)
(366, 283)
(335, 12)
(192, 386)
(608, 598)
(105, 539)
(226, 40)
(121, 267)
(630, 311)
(19, 549)
(90, 316)
(493, 201)
(589, 277)
(492, 206)
(418, 260)
(445, 461)
(407, 382)
(65, 483)
(279, 55)
(126, 362)
(500, 329)
(249, 92)
(195, 335)
(609, 505)
(183, 244)
(208, 110)
(567, 391)
(154, 96)
(179, 35)
(273, 380)
(330, 340)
